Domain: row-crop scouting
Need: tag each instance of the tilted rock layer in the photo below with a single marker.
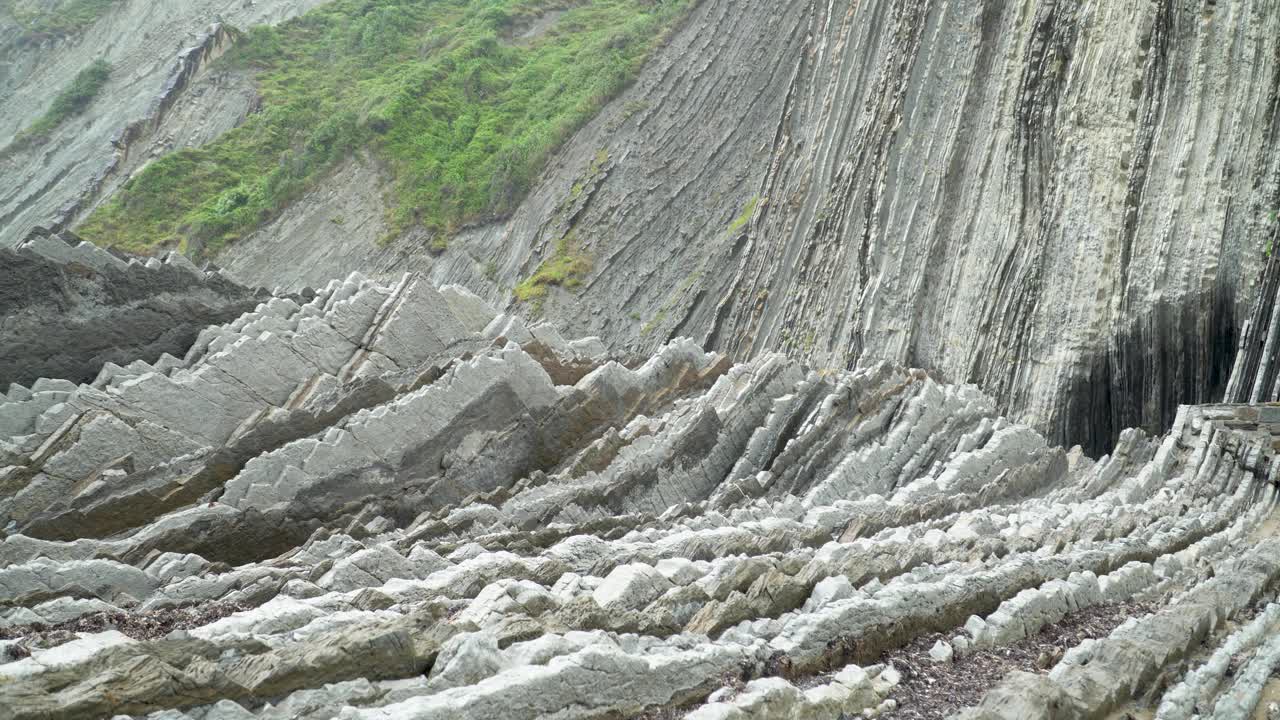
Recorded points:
(1066, 203)
(390, 501)
(67, 308)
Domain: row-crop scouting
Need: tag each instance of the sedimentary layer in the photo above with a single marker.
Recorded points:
(1067, 204)
(392, 501)
(67, 308)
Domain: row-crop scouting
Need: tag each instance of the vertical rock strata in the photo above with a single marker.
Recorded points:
(388, 500)
(1066, 203)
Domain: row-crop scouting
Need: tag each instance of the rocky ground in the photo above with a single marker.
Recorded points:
(385, 500)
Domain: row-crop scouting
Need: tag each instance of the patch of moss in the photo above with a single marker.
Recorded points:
(745, 217)
(566, 268)
(70, 102)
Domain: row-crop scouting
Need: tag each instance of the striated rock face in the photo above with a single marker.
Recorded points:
(1066, 203)
(67, 308)
(391, 501)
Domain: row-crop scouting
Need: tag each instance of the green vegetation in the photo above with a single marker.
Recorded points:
(463, 117)
(744, 218)
(42, 19)
(565, 269)
(69, 103)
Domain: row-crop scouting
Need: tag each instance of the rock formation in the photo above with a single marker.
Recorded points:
(1065, 203)
(67, 308)
(1073, 200)
(392, 501)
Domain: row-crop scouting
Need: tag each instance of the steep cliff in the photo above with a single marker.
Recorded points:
(1066, 203)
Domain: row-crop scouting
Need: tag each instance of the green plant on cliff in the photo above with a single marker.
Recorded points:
(41, 19)
(745, 216)
(566, 268)
(70, 102)
(464, 116)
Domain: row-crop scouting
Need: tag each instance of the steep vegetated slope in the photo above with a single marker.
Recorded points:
(156, 51)
(463, 101)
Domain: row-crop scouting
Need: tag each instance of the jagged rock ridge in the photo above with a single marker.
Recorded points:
(391, 501)
(68, 307)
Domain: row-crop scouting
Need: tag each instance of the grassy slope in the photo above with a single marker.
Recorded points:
(464, 115)
(42, 19)
(70, 102)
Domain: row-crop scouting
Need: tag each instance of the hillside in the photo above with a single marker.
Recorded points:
(1076, 200)
(655, 359)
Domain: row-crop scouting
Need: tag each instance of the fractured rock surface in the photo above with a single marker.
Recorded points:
(68, 307)
(388, 500)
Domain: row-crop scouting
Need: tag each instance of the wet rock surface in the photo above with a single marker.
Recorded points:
(390, 500)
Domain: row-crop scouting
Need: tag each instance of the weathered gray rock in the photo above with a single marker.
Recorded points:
(377, 503)
(68, 308)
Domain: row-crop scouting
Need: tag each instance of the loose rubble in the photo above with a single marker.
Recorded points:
(387, 500)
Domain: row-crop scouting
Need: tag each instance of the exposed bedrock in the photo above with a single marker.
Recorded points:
(1017, 194)
(389, 500)
(67, 308)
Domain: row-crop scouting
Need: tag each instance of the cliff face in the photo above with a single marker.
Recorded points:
(1066, 203)
(158, 52)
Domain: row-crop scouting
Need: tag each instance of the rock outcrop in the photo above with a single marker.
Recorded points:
(67, 308)
(1065, 203)
(391, 501)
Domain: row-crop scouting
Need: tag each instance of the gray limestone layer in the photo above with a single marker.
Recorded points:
(67, 308)
(391, 501)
